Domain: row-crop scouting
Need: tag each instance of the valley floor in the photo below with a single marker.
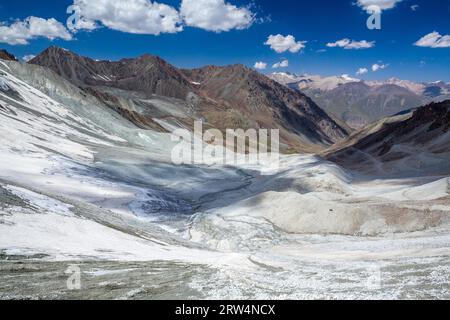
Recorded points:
(319, 236)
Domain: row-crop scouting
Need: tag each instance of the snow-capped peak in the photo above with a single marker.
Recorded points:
(346, 77)
(284, 77)
(316, 82)
(410, 85)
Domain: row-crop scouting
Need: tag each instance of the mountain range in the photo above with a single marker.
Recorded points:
(359, 102)
(152, 94)
(224, 97)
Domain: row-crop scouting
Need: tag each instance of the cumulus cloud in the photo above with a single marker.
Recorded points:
(132, 16)
(415, 7)
(260, 65)
(281, 64)
(434, 40)
(352, 44)
(280, 43)
(77, 22)
(376, 67)
(362, 71)
(215, 15)
(20, 32)
(151, 17)
(373, 5)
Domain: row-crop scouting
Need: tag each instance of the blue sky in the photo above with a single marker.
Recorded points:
(245, 26)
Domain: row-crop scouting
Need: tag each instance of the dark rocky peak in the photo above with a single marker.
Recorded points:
(5, 55)
(147, 74)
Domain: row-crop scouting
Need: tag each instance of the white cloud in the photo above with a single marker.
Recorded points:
(415, 7)
(28, 57)
(260, 65)
(215, 15)
(352, 44)
(434, 40)
(20, 32)
(362, 71)
(370, 5)
(77, 22)
(376, 67)
(151, 17)
(281, 64)
(281, 44)
(132, 16)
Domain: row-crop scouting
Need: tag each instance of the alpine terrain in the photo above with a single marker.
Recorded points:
(87, 183)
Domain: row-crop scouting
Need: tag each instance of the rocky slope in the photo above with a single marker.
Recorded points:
(5, 55)
(412, 143)
(224, 97)
(147, 74)
(262, 103)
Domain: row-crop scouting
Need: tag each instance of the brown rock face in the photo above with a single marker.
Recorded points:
(5, 55)
(422, 136)
(266, 103)
(147, 74)
(224, 97)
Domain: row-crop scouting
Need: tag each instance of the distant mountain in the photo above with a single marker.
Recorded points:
(5, 55)
(359, 102)
(417, 88)
(147, 89)
(437, 91)
(414, 143)
(312, 82)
